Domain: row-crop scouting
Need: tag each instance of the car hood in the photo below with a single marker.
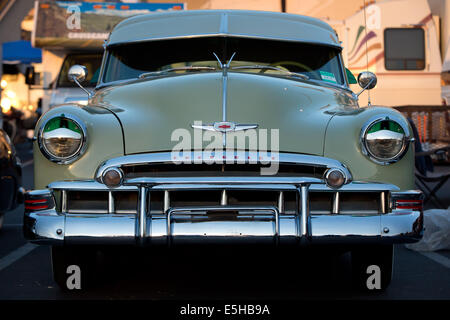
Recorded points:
(157, 114)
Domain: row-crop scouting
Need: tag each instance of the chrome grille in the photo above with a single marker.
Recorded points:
(231, 163)
(287, 201)
(115, 202)
(212, 170)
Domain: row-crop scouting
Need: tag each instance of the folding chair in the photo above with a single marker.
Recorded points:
(424, 170)
(432, 177)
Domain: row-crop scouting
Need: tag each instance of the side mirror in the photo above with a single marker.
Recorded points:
(30, 76)
(367, 80)
(78, 74)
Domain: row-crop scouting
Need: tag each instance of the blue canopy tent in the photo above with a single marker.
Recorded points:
(21, 51)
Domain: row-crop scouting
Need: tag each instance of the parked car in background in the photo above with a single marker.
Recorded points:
(151, 159)
(11, 191)
(63, 90)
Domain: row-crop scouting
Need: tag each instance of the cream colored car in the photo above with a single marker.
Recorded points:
(151, 160)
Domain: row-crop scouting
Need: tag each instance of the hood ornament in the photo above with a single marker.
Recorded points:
(225, 126)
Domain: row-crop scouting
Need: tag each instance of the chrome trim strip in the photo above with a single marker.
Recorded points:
(185, 183)
(87, 185)
(357, 186)
(224, 68)
(125, 212)
(223, 34)
(188, 186)
(343, 72)
(408, 193)
(357, 212)
(223, 23)
(86, 211)
(226, 180)
(105, 57)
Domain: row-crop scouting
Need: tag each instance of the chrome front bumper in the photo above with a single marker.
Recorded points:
(222, 223)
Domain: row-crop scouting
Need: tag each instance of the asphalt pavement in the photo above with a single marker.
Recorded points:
(25, 271)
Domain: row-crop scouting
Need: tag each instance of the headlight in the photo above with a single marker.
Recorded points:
(385, 140)
(62, 139)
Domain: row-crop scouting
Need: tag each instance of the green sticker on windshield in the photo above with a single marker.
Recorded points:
(328, 76)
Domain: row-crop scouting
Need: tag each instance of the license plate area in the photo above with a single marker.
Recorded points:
(231, 223)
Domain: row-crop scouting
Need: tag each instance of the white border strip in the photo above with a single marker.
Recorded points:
(436, 257)
(17, 254)
(27, 163)
(6, 9)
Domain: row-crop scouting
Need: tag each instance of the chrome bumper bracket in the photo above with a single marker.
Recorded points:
(224, 208)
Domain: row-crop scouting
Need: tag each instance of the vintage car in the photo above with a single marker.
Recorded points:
(11, 191)
(223, 127)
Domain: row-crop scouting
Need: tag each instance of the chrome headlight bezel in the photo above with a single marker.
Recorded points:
(406, 139)
(63, 160)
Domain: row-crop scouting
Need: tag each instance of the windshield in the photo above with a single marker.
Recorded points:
(267, 57)
(92, 61)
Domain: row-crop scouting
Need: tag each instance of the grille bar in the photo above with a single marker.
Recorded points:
(142, 214)
(111, 208)
(303, 212)
(335, 203)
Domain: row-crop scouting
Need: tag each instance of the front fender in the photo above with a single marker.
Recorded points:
(104, 141)
(342, 142)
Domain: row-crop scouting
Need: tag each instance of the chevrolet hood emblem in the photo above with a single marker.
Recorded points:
(225, 126)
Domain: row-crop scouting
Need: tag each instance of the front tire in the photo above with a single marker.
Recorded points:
(2, 218)
(73, 267)
(372, 267)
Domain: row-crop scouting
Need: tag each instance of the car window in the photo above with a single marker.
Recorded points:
(317, 62)
(91, 61)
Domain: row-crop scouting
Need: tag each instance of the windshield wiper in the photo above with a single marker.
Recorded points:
(289, 73)
(188, 68)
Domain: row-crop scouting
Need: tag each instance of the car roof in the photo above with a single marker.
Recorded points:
(232, 23)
